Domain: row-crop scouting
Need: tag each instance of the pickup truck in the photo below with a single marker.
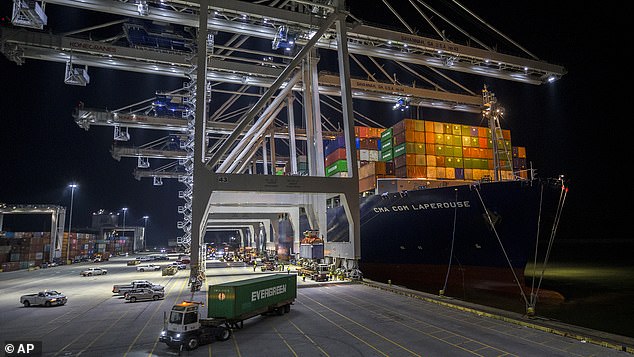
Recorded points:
(123, 289)
(46, 298)
(93, 271)
(144, 294)
(148, 267)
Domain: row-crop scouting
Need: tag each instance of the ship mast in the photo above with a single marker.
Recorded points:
(492, 112)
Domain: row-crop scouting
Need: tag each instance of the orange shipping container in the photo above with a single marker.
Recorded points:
(430, 137)
(363, 131)
(419, 136)
(429, 126)
(482, 132)
(415, 171)
(367, 183)
(430, 149)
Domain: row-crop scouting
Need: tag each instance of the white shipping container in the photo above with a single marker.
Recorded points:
(374, 155)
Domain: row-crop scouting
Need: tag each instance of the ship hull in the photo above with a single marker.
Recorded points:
(455, 239)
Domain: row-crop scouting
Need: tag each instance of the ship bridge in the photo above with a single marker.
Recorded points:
(255, 93)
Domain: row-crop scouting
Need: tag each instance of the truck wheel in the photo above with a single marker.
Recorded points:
(26, 303)
(133, 299)
(224, 334)
(47, 304)
(192, 343)
(287, 308)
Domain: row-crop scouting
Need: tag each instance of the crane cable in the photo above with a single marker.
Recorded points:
(497, 236)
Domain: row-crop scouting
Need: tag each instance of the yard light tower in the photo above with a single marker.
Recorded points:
(124, 209)
(145, 218)
(72, 186)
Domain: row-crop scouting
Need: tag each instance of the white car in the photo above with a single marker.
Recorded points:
(93, 271)
(179, 265)
(148, 267)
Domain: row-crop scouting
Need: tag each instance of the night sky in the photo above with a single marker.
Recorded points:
(578, 126)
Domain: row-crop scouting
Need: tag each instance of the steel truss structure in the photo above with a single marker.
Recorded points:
(265, 83)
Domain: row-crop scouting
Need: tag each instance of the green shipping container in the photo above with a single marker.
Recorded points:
(239, 300)
(387, 155)
(386, 144)
(399, 150)
(386, 135)
(338, 166)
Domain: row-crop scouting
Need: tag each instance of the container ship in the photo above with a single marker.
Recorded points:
(445, 207)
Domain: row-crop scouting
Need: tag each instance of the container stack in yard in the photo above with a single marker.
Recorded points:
(228, 305)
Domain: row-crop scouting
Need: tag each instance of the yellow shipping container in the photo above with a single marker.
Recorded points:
(431, 160)
(450, 173)
(431, 172)
(419, 125)
(438, 128)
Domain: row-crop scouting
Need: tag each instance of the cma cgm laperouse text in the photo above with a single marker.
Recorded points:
(455, 238)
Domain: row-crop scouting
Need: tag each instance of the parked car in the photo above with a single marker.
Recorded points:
(45, 298)
(179, 265)
(94, 271)
(144, 294)
(148, 267)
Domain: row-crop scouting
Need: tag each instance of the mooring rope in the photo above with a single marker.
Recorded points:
(453, 238)
(539, 219)
(497, 236)
(560, 205)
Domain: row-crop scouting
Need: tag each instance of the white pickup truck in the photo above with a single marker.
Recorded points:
(148, 267)
(45, 298)
(123, 289)
(93, 271)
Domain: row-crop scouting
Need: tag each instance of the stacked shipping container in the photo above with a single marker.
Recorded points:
(22, 250)
(425, 149)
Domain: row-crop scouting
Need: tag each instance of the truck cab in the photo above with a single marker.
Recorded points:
(186, 328)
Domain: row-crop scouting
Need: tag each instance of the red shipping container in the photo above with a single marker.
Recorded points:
(339, 154)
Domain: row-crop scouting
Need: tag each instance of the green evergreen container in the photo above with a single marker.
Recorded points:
(242, 299)
(386, 135)
(387, 155)
(338, 166)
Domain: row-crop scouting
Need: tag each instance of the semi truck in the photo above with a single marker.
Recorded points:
(228, 305)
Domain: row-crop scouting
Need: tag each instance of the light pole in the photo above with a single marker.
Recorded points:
(124, 209)
(72, 186)
(145, 218)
